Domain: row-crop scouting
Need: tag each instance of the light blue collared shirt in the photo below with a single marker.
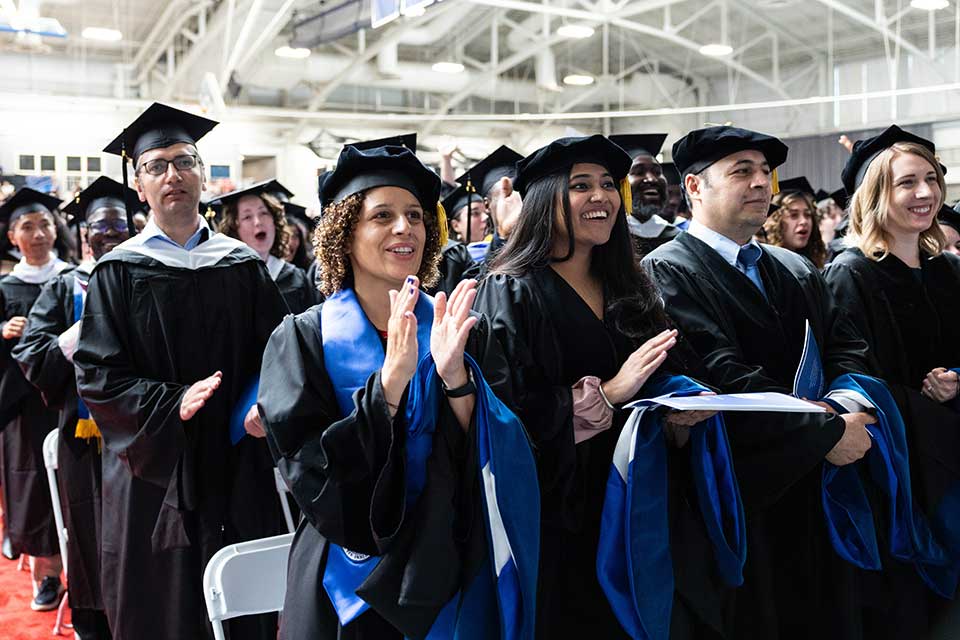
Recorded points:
(727, 248)
(152, 234)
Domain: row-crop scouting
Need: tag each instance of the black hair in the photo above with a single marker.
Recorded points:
(632, 302)
(301, 258)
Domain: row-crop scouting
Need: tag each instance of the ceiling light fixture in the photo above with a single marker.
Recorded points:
(447, 67)
(578, 80)
(929, 5)
(295, 53)
(575, 31)
(716, 50)
(102, 34)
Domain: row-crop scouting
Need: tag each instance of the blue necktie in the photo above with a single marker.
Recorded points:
(747, 260)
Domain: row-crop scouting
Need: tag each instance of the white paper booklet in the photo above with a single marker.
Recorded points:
(778, 402)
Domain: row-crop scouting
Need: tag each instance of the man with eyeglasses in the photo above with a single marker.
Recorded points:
(171, 337)
(45, 355)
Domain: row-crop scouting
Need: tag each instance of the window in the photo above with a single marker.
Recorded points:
(48, 163)
(27, 163)
(219, 171)
(74, 163)
(93, 165)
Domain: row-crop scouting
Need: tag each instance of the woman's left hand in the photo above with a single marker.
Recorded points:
(689, 418)
(941, 385)
(451, 326)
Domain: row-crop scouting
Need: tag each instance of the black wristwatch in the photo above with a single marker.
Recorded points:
(463, 390)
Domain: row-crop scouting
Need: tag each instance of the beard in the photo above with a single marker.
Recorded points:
(644, 212)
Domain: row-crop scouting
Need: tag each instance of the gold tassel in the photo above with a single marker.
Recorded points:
(86, 429)
(626, 195)
(442, 223)
(774, 182)
(210, 213)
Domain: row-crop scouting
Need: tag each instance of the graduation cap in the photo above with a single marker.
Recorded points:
(212, 211)
(949, 216)
(636, 144)
(796, 185)
(102, 192)
(820, 195)
(840, 197)
(271, 187)
(502, 163)
(560, 155)
(297, 212)
(390, 166)
(158, 127)
(701, 148)
(671, 174)
(458, 199)
(408, 140)
(27, 200)
(865, 151)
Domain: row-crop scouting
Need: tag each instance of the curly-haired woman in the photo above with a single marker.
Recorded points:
(795, 225)
(256, 218)
(375, 409)
(899, 287)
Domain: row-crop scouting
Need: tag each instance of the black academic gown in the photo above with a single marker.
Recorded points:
(643, 246)
(78, 473)
(909, 320)
(347, 475)
(175, 492)
(552, 339)
(455, 260)
(28, 514)
(296, 289)
(795, 586)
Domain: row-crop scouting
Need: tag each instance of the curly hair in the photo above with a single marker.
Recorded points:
(333, 235)
(816, 250)
(870, 205)
(228, 225)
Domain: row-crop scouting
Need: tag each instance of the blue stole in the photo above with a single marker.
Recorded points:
(634, 565)
(86, 427)
(478, 250)
(352, 351)
(507, 581)
(931, 547)
(511, 503)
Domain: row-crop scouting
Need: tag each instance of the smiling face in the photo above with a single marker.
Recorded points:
(796, 223)
(732, 196)
(174, 193)
(255, 225)
(914, 196)
(388, 241)
(594, 203)
(647, 182)
(106, 228)
(34, 234)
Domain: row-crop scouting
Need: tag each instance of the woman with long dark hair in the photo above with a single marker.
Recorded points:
(584, 329)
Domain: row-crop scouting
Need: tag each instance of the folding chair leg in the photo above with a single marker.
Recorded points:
(59, 624)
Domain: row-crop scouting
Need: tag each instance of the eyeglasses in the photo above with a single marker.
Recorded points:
(103, 226)
(158, 166)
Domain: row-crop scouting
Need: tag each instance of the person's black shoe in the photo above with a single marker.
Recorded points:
(7, 549)
(48, 597)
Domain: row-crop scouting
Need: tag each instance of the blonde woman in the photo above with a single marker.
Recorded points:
(900, 289)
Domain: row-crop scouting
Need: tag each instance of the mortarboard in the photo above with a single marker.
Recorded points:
(840, 198)
(636, 144)
(865, 151)
(560, 155)
(102, 191)
(158, 127)
(671, 174)
(499, 164)
(27, 200)
(797, 185)
(949, 216)
(458, 199)
(408, 140)
(701, 148)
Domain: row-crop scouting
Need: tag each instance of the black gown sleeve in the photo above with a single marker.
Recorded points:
(331, 463)
(138, 417)
(38, 353)
(852, 301)
(773, 451)
(295, 289)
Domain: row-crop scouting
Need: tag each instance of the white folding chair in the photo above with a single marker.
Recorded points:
(245, 579)
(284, 503)
(50, 462)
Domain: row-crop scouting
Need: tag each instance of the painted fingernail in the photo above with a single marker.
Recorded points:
(411, 290)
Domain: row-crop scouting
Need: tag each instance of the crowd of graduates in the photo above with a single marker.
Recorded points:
(453, 375)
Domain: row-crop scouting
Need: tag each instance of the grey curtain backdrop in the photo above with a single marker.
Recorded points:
(821, 158)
